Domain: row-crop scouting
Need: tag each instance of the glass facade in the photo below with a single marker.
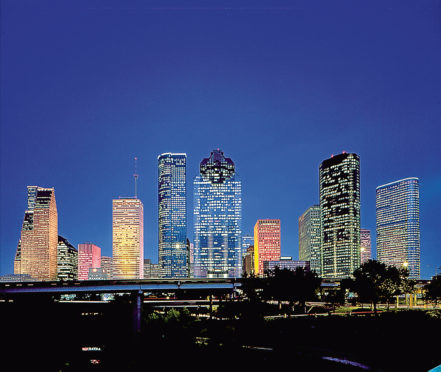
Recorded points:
(340, 215)
(172, 216)
(128, 239)
(398, 224)
(365, 245)
(39, 235)
(217, 219)
(67, 260)
(267, 244)
(310, 237)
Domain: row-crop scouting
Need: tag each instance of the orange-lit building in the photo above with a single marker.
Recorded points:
(89, 257)
(266, 243)
(39, 236)
(128, 239)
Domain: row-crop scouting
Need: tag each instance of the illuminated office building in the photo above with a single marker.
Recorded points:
(217, 219)
(151, 270)
(39, 236)
(247, 241)
(89, 257)
(398, 225)
(172, 216)
(67, 260)
(266, 243)
(17, 259)
(365, 245)
(285, 263)
(128, 239)
(340, 215)
(106, 265)
(310, 237)
(248, 262)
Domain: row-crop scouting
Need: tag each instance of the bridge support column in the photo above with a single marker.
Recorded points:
(138, 312)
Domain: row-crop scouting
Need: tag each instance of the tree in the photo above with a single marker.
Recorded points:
(296, 286)
(433, 289)
(374, 281)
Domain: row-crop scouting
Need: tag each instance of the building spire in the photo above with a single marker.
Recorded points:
(135, 176)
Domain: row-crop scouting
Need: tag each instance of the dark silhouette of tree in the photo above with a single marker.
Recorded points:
(433, 289)
(375, 281)
(293, 287)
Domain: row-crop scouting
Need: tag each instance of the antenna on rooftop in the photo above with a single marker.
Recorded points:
(136, 175)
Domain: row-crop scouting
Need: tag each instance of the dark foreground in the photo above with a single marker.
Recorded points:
(100, 337)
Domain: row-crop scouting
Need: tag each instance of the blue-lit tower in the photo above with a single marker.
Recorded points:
(172, 216)
(217, 219)
(398, 225)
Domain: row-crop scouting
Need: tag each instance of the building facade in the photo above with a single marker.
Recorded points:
(127, 239)
(398, 225)
(365, 246)
(248, 262)
(67, 260)
(151, 270)
(217, 219)
(267, 243)
(285, 263)
(310, 238)
(106, 265)
(247, 241)
(89, 257)
(39, 236)
(340, 215)
(172, 215)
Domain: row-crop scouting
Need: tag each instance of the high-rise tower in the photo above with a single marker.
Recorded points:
(39, 235)
(67, 260)
(172, 215)
(310, 237)
(267, 245)
(217, 219)
(340, 215)
(128, 239)
(398, 225)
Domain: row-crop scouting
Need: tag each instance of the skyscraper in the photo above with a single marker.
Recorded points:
(67, 260)
(398, 225)
(340, 215)
(172, 215)
(39, 235)
(365, 245)
(106, 265)
(247, 241)
(267, 245)
(217, 219)
(89, 257)
(128, 239)
(310, 237)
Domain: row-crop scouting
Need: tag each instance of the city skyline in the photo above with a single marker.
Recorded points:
(278, 87)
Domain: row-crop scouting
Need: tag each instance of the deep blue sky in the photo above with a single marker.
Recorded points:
(278, 85)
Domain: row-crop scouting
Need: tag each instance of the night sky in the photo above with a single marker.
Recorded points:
(279, 86)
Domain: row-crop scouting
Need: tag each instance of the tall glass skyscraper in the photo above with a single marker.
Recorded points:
(217, 219)
(310, 237)
(398, 225)
(39, 235)
(172, 216)
(128, 239)
(340, 215)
